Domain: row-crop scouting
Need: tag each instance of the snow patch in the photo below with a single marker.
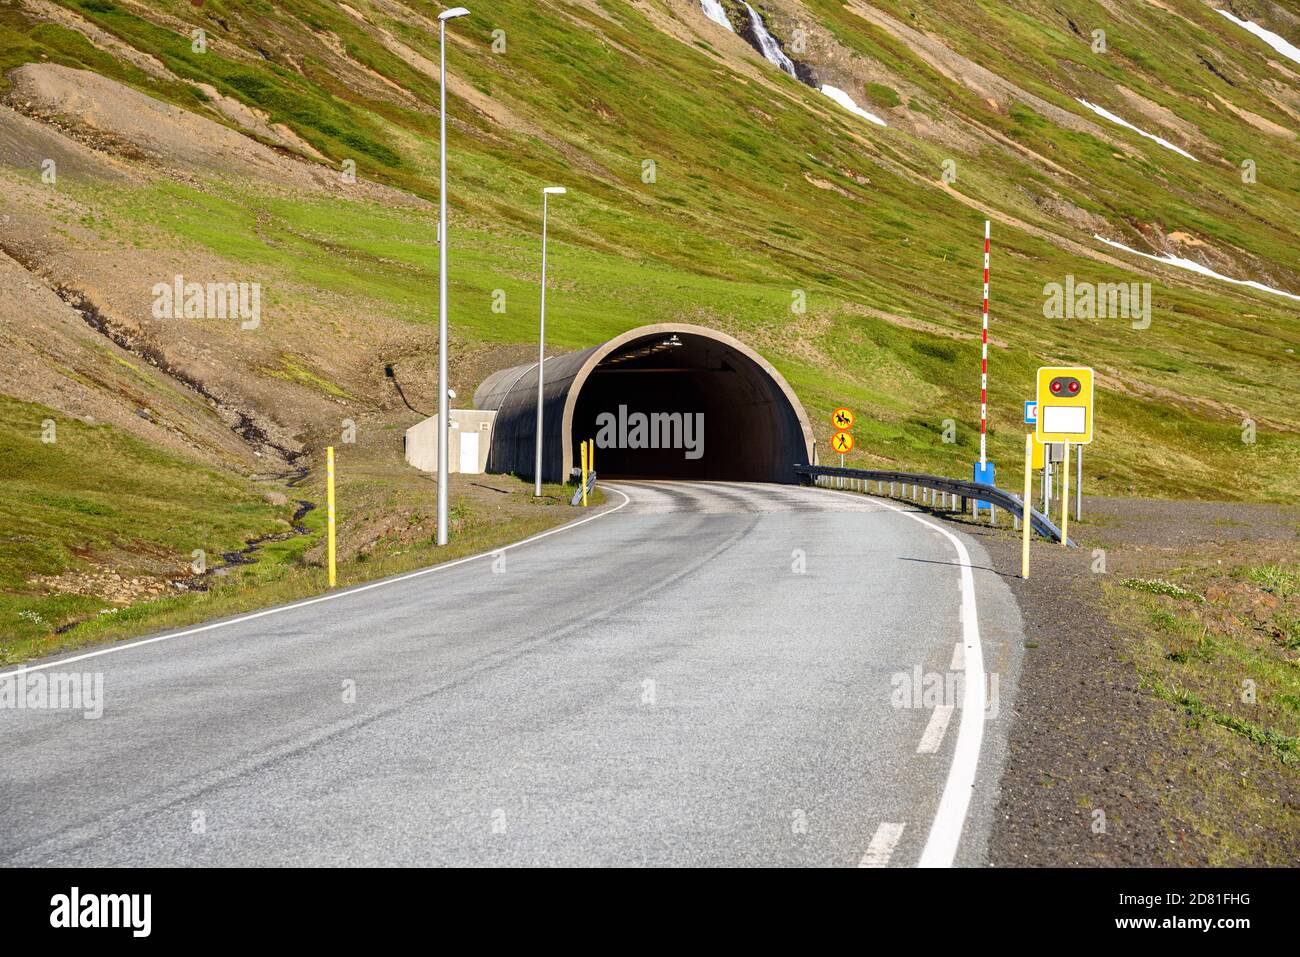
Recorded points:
(1268, 36)
(713, 10)
(768, 45)
(1103, 112)
(1197, 268)
(846, 101)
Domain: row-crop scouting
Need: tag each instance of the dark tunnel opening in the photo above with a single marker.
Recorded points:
(685, 406)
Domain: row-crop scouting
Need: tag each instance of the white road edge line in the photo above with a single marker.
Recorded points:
(933, 736)
(126, 646)
(950, 818)
(882, 845)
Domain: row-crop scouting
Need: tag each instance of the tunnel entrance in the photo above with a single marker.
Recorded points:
(683, 406)
(664, 401)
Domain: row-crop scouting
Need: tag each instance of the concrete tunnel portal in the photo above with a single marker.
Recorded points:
(667, 401)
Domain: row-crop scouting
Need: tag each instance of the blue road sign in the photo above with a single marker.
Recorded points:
(1031, 412)
(984, 476)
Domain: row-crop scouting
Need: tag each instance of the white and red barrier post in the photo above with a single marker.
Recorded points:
(984, 354)
(983, 471)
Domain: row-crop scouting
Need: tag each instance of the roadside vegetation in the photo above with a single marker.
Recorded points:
(1221, 646)
(833, 248)
(255, 553)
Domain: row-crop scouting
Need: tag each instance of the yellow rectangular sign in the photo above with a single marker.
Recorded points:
(1038, 454)
(1065, 395)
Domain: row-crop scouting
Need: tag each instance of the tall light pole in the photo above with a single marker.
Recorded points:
(444, 407)
(541, 343)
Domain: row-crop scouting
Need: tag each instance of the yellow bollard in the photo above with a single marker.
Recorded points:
(329, 506)
(584, 474)
(1065, 498)
(1024, 518)
(591, 454)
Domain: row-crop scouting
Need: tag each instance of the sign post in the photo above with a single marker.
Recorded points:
(1065, 499)
(842, 442)
(329, 506)
(584, 473)
(842, 420)
(1065, 415)
(1024, 519)
(1065, 400)
(1078, 483)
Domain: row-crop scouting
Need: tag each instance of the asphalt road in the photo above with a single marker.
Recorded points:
(704, 674)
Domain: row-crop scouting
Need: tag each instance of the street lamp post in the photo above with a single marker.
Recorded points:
(444, 410)
(541, 344)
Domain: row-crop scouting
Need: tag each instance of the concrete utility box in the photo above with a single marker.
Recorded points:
(468, 442)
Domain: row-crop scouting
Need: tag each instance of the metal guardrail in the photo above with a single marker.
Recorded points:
(591, 486)
(956, 487)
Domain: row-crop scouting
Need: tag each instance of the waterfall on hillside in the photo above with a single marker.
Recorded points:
(770, 49)
(713, 10)
(768, 45)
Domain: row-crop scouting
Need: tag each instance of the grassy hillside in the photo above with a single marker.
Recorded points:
(762, 189)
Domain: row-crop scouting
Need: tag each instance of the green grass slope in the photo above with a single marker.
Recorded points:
(765, 192)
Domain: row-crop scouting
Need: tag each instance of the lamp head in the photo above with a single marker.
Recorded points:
(555, 190)
(453, 13)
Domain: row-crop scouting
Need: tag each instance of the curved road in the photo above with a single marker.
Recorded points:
(699, 674)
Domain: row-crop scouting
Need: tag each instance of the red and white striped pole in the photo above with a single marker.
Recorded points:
(984, 353)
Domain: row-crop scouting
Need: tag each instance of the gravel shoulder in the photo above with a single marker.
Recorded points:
(1133, 742)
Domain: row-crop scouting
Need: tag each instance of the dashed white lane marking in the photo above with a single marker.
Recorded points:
(950, 819)
(882, 845)
(958, 658)
(933, 736)
(330, 596)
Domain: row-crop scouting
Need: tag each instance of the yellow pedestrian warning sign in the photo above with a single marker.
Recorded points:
(842, 442)
(842, 419)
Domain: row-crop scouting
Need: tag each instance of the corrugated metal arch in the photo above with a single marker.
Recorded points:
(512, 394)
